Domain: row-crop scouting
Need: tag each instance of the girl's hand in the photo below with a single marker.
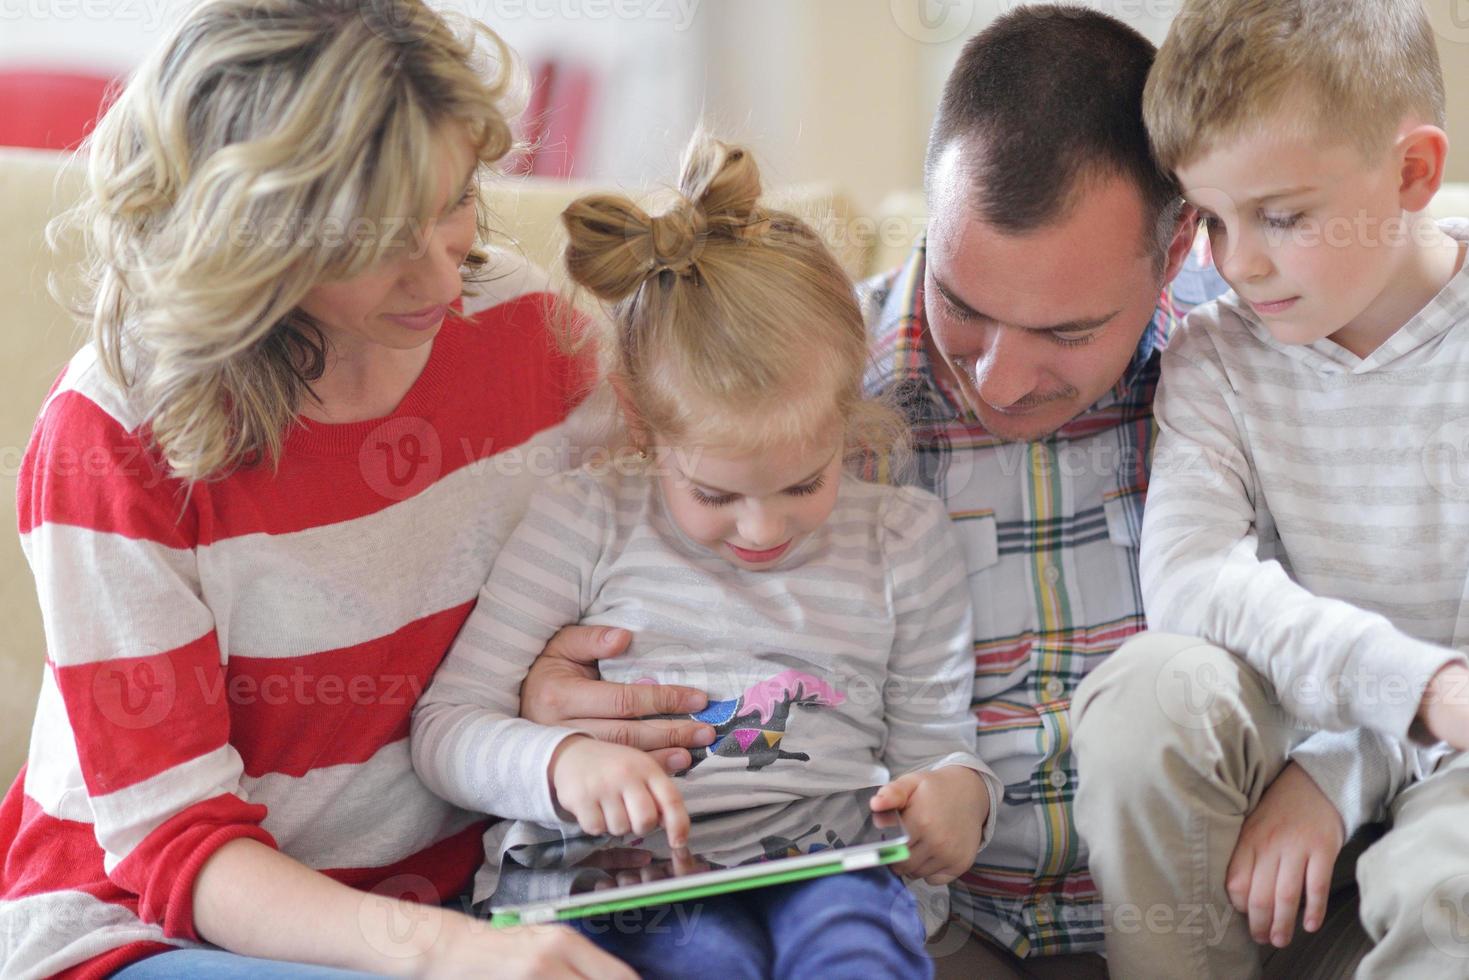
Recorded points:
(944, 812)
(468, 947)
(613, 789)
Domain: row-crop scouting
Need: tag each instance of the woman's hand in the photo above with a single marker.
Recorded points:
(614, 789)
(564, 688)
(944, 813)
(1288, 845)
(469, 947)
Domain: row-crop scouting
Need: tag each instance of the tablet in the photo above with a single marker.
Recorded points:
(555, 878)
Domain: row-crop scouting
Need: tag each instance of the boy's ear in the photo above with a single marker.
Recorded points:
(1184, 234)
(1423, 151)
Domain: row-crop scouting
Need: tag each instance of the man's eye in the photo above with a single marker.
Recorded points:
(1073, 341)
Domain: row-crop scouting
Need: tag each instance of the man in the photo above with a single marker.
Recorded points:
(1022, 340)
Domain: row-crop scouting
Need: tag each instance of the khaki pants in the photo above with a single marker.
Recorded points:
(1176, 741)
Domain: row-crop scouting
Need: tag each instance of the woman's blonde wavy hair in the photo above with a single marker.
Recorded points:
(730, 325)
(265, 147)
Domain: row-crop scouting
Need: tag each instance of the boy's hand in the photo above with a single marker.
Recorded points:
(613, 789)
(944, 812)
(1445, 708)
(1288, 843)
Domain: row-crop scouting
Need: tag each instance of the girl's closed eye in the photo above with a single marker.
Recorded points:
(712, 500)
(806, 489)
(725, 499)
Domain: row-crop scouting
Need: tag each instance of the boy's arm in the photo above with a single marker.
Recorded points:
(1201, 575)
(468, 743)
(930, 680)
(1359, 771)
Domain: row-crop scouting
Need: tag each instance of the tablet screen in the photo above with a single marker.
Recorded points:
(555, 869)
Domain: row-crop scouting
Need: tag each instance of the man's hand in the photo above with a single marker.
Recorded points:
(564, 687)
(944, 813)
(1288, 844)
(1445, 708)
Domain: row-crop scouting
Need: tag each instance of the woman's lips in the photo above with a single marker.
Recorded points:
(756, 557)
(422, 320)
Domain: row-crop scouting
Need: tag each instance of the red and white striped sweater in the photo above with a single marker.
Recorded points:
(243, 661)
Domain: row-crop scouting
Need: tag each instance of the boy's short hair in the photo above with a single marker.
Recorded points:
(1362, 65)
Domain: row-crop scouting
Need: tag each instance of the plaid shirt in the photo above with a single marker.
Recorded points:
(1049, 530)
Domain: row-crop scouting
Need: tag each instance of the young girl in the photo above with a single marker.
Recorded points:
(829, 616)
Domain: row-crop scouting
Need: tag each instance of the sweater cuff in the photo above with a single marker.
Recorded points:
(1399, 669)
(539, 751)
(1352, 772)
(178, 917)
(992, 785)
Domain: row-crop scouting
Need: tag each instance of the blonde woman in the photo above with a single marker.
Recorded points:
(260, 504)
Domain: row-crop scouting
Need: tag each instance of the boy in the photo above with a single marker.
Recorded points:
(1302, 513)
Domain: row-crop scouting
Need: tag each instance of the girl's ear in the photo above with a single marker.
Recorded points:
(1424, 150)
(637, 432)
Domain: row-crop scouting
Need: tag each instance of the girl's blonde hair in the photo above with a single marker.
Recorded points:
(265, 147)
(730, 324)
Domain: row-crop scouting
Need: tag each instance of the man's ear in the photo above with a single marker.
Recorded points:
(1182, 242)
(1422, 151)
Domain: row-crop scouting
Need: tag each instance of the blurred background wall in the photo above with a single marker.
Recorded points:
(830, 90)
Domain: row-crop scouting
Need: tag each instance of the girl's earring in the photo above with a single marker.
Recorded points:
(643, 454)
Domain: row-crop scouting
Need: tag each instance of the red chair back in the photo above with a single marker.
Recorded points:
(49, 110)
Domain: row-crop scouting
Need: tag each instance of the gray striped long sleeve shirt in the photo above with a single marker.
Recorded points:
(847, 663)
(1309, 511)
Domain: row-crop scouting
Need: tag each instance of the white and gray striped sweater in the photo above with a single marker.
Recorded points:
(855, 651)
(1309, 511)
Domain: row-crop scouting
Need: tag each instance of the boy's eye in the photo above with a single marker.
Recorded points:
(1282, 221)
(954, 311)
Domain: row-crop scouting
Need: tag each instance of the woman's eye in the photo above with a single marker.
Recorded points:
(467, 198)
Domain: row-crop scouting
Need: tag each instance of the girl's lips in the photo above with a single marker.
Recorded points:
(755, 557)
(420, 321)
(1279, 306)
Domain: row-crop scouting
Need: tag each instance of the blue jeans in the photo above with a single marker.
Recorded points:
(858, 924)
(219, 964)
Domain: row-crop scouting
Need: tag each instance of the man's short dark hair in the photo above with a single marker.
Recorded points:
(1045, 99)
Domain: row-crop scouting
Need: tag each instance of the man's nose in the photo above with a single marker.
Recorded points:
(1005, 371)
